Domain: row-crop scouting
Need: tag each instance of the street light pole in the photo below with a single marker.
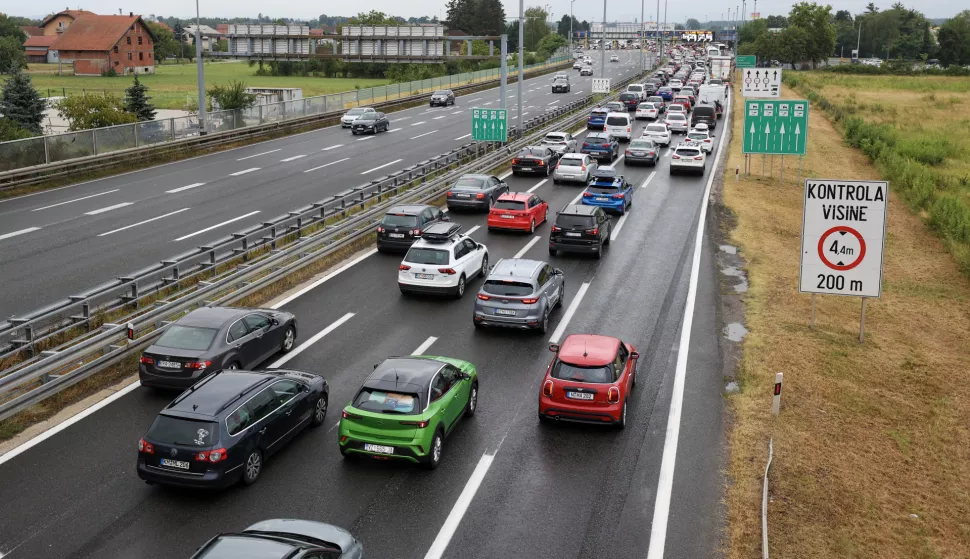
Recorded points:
(199, 70)
(518, 83)
(643, 38)
(571, 26)
(603, 45)
(660, 36)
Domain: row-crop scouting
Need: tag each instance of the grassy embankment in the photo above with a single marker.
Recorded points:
(872, 447)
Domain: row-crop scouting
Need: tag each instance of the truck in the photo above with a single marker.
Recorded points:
(710, 93)
(721, 67)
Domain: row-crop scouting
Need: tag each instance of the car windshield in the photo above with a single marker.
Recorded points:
(356, 112)
(571, 162)
(555, 138)
(400, 220)
(635, 88)
(509, 205)
(431, 256)
(574, 221)
(697, 135)
(440, 92)
(379, 401)
(368, 116)
(181, 431)
(599, 375)
(628, 96)
(614, 105)
(470, 182)
(241, 547)
(187, 337)
(507, 287)
(618, 121)
(659, 128)
(641, 144)
(688, 152)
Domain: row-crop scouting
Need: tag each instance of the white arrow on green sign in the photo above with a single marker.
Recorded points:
(775, 127)
(489, 125)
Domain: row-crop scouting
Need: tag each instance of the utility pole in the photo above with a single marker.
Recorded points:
(665, 19)
(518, 126)
(571, 27)
(858, 41)
(643, 33)
(603, 45)
(659, 33)
(200, 71)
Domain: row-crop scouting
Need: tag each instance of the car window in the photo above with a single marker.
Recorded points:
(618, 363)
(470, 245)
(509, 205)
(688, 152)
(286, 390)
(567, 221)
(428, 256)
(460, 251)
(602, 374)
(439, 387)
(676, 116)
(507, 287)
(182, 431)
(572, 161)
(451, 374)
(427, 216)
(239, 420)
(379, 401)
(263, 404)
(242, 547)
(618, 121)
(256, 322)
(399, 220)
(543, 276)
(470, 182)
(642, 144)
(187, 337)
(238, 330)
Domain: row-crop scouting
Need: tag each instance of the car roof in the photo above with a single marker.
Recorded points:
(588, 349)
(400, 373)
(409, 209)
(308, 529)
(474, 176)
(212, 317)
(515, 268)
(211, 396)
(520, 196)
(577, 209)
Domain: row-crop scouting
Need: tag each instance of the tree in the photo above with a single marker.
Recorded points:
(490, 17)
(232, 96)
(752, 31)
(11, 28)
(535, 27)
(373, 18)
(777, 22)
(93, 111)
(165, 44)
(549, 44)
(793, 45)
(9, 131)
(137, 101)
(693, 24)
(21, 103)
(512, 30)
(12, 58)
(843, 15)
(954, 39)
(816, 20)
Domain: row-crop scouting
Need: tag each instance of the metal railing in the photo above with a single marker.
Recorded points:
(55, 148)
(233, 267)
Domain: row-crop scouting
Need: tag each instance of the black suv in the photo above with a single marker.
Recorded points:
(403, 224)
(580, 229)
(705, 113)
(630, 100)
(223, 428)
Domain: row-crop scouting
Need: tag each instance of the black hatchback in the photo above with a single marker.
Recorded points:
(579, 228)
(222, 429)
(402, 225)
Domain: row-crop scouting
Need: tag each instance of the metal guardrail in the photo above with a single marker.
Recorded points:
(49, 372)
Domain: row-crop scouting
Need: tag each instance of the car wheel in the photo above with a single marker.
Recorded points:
(472, 400)
(555, 181)
(460, 290)
(622, 422)
(484, 271)
(233, 366)
(319, 411)
(289, 339)
(532, 226)
(252, 467)
(434, 453)
(599, 251)
(553, 252)
(562, 295)
(354, 132)
(544, 325)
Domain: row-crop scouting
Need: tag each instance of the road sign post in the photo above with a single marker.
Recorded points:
(746, 61)
(775, 127)
(489, 125)
(843, 239)
(761, 82)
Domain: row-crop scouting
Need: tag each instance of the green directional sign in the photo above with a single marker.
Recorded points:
(746, 61)
(775, 127)
(489, 125)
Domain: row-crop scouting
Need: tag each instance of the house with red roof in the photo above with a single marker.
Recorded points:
(41, 37)
(94, 43)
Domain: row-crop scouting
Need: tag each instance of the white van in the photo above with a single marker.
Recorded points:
(639, 89)
(619, 125)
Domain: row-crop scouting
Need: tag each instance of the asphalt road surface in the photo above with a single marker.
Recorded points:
(508, 486)
(62, 242)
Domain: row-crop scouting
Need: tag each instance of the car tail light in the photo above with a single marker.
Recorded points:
(483, 297)
(556, 228)
(542, 163)
(593, 231)
(585, 145)
(587, 194)
(604, 145)
(707, 141)
(380, 229)
(530, 301)
(627, 128)
(515, 161)
(582, 167)
(450, 194)
(213, 456)
(198, 364)
(418, 424)
(627, 152)
(146, 360)
(675, 156)
(403, 267)
(449, 271)
(698, 158)
(613, 395)
(617, 196)
(347, 415)
(547, 388)
(145, 446)
(480, 196)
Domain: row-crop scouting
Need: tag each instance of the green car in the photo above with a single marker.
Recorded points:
(407, 407)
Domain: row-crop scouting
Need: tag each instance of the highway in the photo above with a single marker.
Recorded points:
(58, 243)
(508, 486)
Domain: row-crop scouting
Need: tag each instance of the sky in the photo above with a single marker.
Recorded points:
(616, 10)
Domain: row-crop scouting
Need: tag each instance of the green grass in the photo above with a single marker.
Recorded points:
(172, 84)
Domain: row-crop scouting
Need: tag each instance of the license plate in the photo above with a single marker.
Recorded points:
(424, 276)
(579, 395)
(397, 235)
(508, 217)
(378, 448)
(170, 364)
(573, 234)
(464, 195)
(174, 464)
(525, 169)
(507, 312)
(637, 153)
(600, 199)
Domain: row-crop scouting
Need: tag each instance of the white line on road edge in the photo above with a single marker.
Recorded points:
(327, 164)
(424, 346)
(382, 166)
(292, 158)
(462, 137)
(258, 154)
(108, 209)
(526, 248)
(181, 188)
(13, 453)
(237, 173)
(550, 104)
(21, 232)
(447, 531)
(619, 225)
(536, 187)
(422, 135)
(217, 225)
(290, 298)
(316, 338)
(156, 218)
(649, 178)
(76, 200)
(332, 147)
(568, 315)
(661, 509)
(505, 175)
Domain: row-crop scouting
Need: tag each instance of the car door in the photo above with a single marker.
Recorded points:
(267, 339)
(245, 343)
(441, 398)
(457, 395)
(427, 218)
(539, 208)
(545, 289)
(294, 407)
(266, 419)
(473, 256)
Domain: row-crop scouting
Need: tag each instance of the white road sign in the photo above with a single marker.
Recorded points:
(843, 237)
(601, 85)
(761, 82)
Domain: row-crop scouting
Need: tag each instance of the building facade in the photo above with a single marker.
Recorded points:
(94, 44)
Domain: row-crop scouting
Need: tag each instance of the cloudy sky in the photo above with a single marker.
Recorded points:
(591, 10)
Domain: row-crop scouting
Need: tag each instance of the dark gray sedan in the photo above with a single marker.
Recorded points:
(213, 338)
(519, 293)
(443, 97)
(641, 151)
(284, 539)
(475, 192)
(370, 123)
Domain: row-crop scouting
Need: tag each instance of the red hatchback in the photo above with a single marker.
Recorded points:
(520, 211)
(589, 380)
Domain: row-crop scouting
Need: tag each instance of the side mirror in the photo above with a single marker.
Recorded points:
(375, 365)
(275, 321)
(445, 218)
(480, 246)
(557, 271)
(634, 355)
(554, 348)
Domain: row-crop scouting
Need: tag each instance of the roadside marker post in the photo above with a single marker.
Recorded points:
(131, 331)
(776, 399)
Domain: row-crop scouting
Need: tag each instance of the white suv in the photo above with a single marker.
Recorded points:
(658, 132)
(688, 156)
(442, 261)
(703, 138)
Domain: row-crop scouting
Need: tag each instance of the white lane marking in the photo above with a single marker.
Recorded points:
(327, 164)
(108, 209)
(553, 103)
(476, 99)
(216, 226)
(439, 117)
(661, 510)
(332, 147)
(76, 200)
(316, 338)
(400, 119)
(290, 298)
(250, 170)
(454, 112)
(258, 154)
(21, 232)
(395, 130)
(618, 159)
(528, 245)
(489, 103)
(156, 218)
(295, 157)
(568, 315)
(534, 188)
(576, 199)
(366, 138)
(473, 229)
(619, 225)
(423, 135)
(649, 178)
(417, 123)
(181, 188)
(463, 137)
(17, 451)
(382, 166)
(505, 175)
(525, 113)
(447, 531)
(424, 346)
(578, 92)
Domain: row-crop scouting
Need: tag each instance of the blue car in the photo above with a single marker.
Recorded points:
(597, 119)
(666, 93)
(609, 191)
(601, 145)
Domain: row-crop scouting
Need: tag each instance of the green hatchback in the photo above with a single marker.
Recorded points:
(407, 407)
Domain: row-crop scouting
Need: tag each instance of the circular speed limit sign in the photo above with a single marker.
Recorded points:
(836, 253)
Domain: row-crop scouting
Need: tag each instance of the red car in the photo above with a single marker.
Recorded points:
(520, 211)
(682, 100)
(589, 380)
